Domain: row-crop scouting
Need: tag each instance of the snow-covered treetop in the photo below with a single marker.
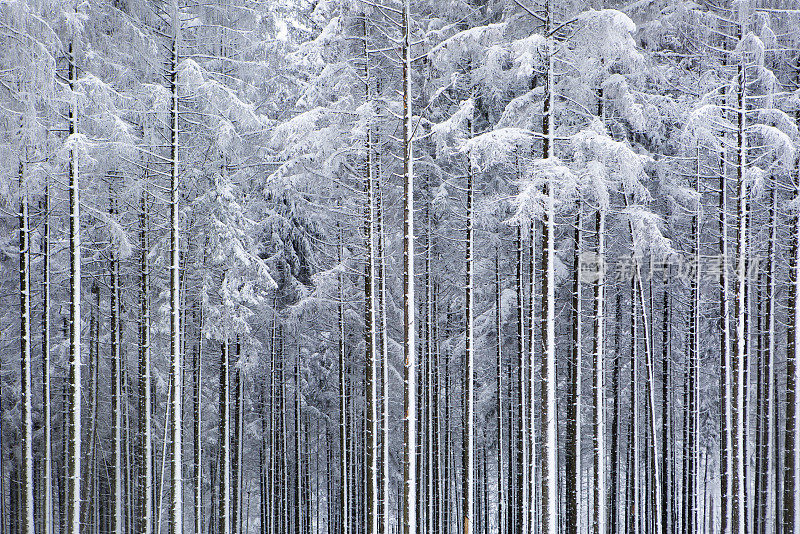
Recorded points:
(603, 42)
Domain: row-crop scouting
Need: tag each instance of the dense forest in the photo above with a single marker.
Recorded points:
(399, 267)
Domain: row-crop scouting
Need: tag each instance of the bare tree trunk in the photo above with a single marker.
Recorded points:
(117, 394)
(344, 471)
(726, 424)
(599, 506)
(550, 523)
(224, 443)
(521, 501)
(74, 455)
(769, 485)
(615, 423)
(197, 401)
(739, 516)
(145, 504)
(499, 370)
(572, 450)
(26, 393)
(468, 447)
(176, 357)
(409, 343)
(666, 418)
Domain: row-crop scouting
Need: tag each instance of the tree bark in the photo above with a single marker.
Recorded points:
(74, 455)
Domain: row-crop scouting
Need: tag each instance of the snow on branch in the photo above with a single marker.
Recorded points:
(469, 44)
(452, 132)
(497, 146)
(531, 202)
(778, 142)
(623, 164)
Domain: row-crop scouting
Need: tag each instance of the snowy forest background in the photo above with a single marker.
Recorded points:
(383, 267)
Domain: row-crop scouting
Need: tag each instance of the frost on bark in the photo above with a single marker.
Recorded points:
(26, 493)
(409, 303)
(598, 386)
(74, 454)
(176, 357)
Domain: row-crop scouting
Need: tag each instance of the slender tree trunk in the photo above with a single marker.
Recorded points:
(298, 452)
(384, 359)
(691, 448)
(47, 468)
(550, 524)
(117, 394)
(236, 481)
(666, 502)
(726, 448)
(369, 308)
(176, 357)
(739, 515)
(145, 504)
(74, 455)
(769, 485)
(409, 343)
(90, 501)
(468, 447)
(521, 502)
(572, 450)
(615, 422)
(197, 400)
(599, 506)
(791, 449)
(273, 427)
(26, 493)
(530, 389)
(498, 317)
(344, 473)
(224, 443)
(634, 476)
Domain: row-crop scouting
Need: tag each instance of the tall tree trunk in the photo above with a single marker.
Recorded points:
(369, 307)
(235, 439)
(666, 502)
(739, 515)
(74, 454)
(468, 447)
(145, 500)
(634, 476)
(791, 450)
(273, 427)
(47, 474)
(530, 389)
(344, 471)
(769, 484)
(224, 442)
(384, 358)
(498, 318)
(26, 494)
(572, 450)
(692, 447)
(429, 359)
(550, 524)
(176, 357)
(615, 422)
(599, 506)
(117, 394)
(726, 423)
(521, 503)
(298, 453)
(90, 501)
(197, 401)
(409, 343)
